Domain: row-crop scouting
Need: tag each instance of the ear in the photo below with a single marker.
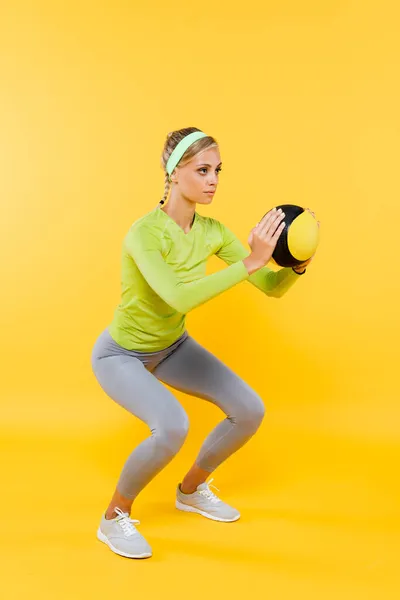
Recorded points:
(173, 177)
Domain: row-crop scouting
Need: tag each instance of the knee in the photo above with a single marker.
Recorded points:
(252, 411)
(171, 437)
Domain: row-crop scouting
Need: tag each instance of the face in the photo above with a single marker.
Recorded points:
(199, 176)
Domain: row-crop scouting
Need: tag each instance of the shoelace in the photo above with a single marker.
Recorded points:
(125, 522)
(209, 494)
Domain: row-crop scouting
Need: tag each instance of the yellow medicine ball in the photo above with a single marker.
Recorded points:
(299, 239)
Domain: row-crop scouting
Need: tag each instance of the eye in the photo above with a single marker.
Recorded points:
(218, 170)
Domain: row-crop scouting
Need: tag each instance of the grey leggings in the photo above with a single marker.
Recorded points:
(133, 379)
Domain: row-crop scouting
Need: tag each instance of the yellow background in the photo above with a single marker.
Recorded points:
(304, 99)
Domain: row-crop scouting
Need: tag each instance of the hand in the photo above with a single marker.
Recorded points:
(303, 265)
(300, 268)
(313, 214)
(263, 239)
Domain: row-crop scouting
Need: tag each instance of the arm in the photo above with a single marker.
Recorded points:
(145, 248)
(272, 283)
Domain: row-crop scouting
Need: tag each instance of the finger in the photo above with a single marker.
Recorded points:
(268, 218)
(275, 236)
(310, 211)
(263, 220)
(271, 227)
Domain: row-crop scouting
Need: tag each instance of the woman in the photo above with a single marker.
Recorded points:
(163, 278)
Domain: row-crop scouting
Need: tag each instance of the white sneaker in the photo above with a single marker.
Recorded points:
(122, 537)
(204, 502)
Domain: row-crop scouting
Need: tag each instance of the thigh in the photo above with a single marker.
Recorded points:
(126, 380)
(196, 371)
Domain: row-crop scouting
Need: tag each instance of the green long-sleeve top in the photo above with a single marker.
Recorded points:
(163, 277)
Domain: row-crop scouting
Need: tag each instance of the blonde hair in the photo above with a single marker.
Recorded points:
(173, 139)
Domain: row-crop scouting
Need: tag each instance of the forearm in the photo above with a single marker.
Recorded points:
(184, 297)
(273, 283)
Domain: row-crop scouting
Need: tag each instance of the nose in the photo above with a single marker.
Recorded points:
(213, 180)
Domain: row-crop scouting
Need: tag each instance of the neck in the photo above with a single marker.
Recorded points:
(181, 210)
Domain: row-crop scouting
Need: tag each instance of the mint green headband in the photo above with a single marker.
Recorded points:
(181, 148)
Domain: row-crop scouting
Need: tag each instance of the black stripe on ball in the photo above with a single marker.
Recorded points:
(281, 254)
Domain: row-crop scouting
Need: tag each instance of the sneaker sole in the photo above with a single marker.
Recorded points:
(103, 538)
(192, 509)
